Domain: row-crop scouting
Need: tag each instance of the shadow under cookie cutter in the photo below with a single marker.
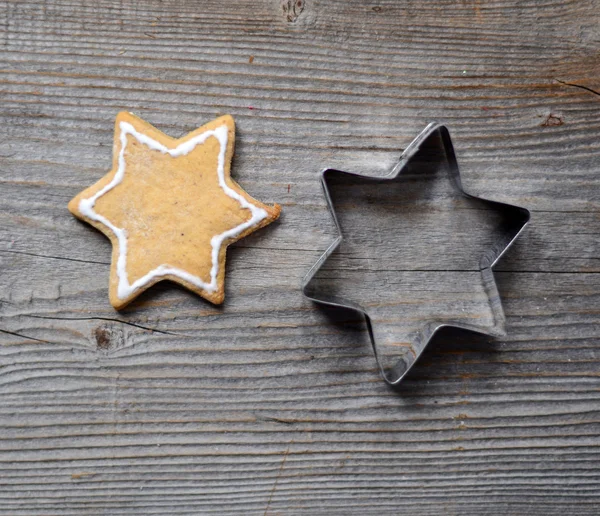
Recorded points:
(516, 218)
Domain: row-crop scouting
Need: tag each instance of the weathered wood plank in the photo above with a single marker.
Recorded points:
(270, 405)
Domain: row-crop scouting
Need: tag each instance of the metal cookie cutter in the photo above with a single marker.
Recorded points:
(514, 221)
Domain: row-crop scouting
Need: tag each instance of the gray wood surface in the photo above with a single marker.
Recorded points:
(269, 405)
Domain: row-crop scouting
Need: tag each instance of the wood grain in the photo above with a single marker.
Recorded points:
(270, 405)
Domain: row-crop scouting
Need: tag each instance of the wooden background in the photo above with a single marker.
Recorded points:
(269, 405)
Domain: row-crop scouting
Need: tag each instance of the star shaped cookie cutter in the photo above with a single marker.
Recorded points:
(515, 219)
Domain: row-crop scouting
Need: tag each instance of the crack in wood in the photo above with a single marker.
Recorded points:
(129, 323)
(20, 335)
(579, 86)
(53, 257)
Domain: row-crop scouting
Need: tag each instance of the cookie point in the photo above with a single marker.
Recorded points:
(216, 298)
(118, 303)
(275, 211)
(227, 120)
(73, 206)
(121, 115)
(128, 116)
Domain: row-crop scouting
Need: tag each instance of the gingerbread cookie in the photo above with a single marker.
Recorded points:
(170, 208)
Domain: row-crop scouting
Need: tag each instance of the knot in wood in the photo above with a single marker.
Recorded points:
(292, 9)
(108, 338)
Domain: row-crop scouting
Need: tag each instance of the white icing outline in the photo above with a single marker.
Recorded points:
(86, 207)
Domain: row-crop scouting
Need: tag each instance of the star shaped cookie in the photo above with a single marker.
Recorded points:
(170, 208)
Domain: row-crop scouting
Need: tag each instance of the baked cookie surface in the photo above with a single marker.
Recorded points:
(170, 208)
